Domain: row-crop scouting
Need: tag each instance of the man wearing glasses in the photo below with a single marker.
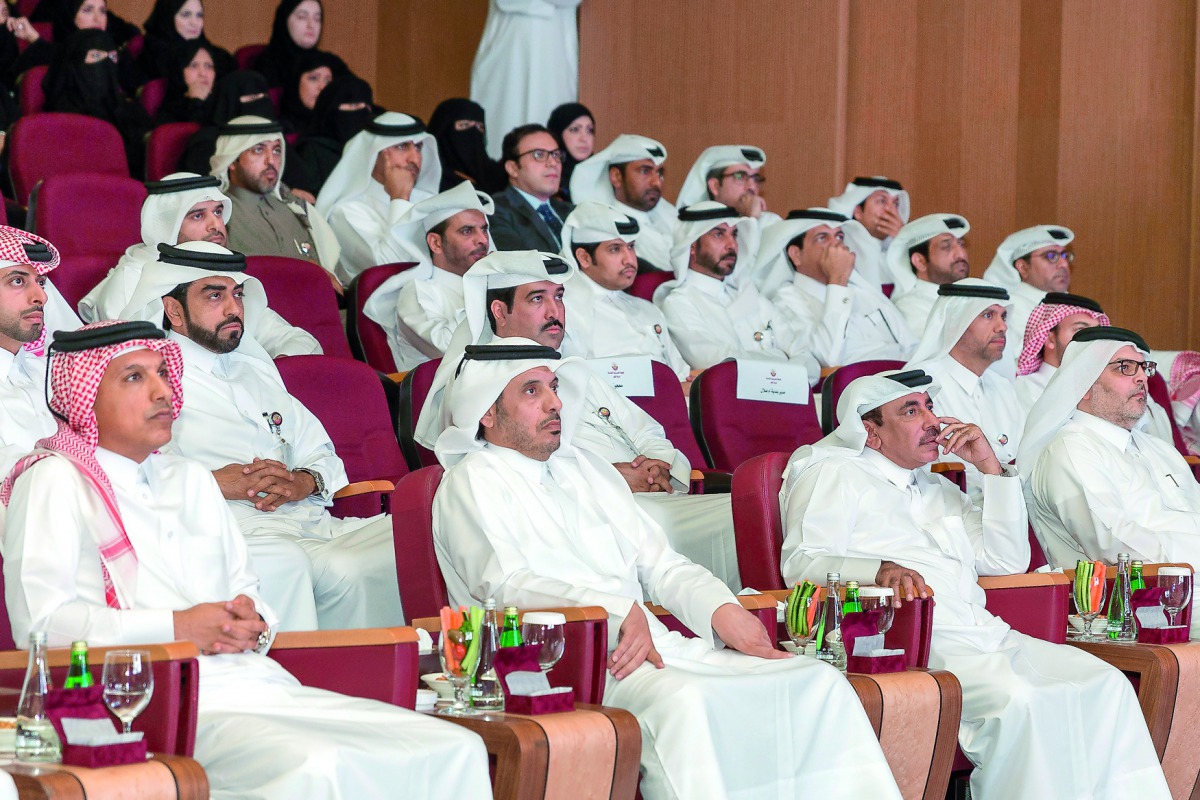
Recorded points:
(1030, 263)
(528, 217)
(1098, 484)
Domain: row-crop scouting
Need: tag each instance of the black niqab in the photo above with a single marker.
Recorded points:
(464, 153)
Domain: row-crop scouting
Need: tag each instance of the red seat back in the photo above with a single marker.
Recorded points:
(757, 522)
(646, 282)
(887, 289)
(78, 275)
(165, 146)
(669, 409)
(30, 96)
(81, 144)
(347, 397)
(413, 391)
(386, 672)
(246, 55)
(368, 340)
(730, 430)
(86, 214)
(837, 381)
(276, 95)
(1037, 610)
(151, 94)
(301, 293)
(422, 588)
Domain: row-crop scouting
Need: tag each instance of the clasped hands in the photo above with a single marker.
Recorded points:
(266, 482)
(229, 627)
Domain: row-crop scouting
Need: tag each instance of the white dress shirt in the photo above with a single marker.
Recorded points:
(606, 323)
(843, 324)
(368, 229)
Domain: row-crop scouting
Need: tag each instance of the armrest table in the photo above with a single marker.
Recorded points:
(160, 778)
(592, 752)
(1168, 688)
(915, 714)
(384, 659)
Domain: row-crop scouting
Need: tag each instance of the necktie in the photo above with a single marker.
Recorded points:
(552, 222)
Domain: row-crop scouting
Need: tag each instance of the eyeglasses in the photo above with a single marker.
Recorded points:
(1054, 255)
(741, 176)
(539, 155)
(1128, 367)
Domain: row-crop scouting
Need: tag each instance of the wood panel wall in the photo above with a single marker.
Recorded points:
(1011, 112)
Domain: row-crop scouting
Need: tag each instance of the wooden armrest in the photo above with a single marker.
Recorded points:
(753, 602)
(947, 466)
(572, 613)
(1192, 460)
(1148, 570)
(396, 376)
(696, 475)
(61, 656)
(827, 371)
(1023, 580)
(364, 487)
(358, 637)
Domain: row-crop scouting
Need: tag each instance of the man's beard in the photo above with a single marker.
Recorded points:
(17, 333)
(211, 339)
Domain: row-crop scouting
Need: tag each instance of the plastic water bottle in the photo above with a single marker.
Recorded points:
(486, 692)
(36, 737)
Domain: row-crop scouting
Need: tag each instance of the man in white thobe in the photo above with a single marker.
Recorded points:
(882, 206)
(628, 175)
(524, 516)
(24, 416)
(271, 457)
(421, 307)
(109, 541)
(607, 321)
(527, 63)
(1099, 485)
(185, 207)
(858, 502)
(1039, 260)
(963, 349)
(711, 319)
(388, 167)
(832, 309)
(514, 293)
(732, 174)
(925, 254)
(271, 220)
(21, 247)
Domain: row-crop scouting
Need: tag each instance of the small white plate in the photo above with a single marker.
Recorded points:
(1099, 624)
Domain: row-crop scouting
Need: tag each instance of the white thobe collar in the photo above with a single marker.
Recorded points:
(444, 277)
(1115, 435)
(15, 366)
(965, 378)
(530, 469)
(711, 286)
(809, 286)
(1028, 293)
(122, 471)
(218, 364)
(895, 474)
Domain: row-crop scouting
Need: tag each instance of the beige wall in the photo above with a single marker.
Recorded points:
(1011, 112)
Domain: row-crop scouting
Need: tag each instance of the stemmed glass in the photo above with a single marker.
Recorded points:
(458, 669)
(545, 629)
(879, 598)
(128, 684)
(1176, 583)
(1088, 597)
(800, 619)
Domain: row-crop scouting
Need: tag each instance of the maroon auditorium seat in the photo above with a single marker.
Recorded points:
(151, 95)
(368, 340)
(30, 96)
(356, 417)
(646, 282)
(300, 292)
(86, 214)
(413, 391)
(81, 144)
(730, 430)
(837, 381)
(669, 409)
(246, 55)
(165, 146)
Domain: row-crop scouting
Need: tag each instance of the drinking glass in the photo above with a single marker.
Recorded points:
(545, 629)
(453, 651)
(128, 684)
(1088, 604)
(801, 619)
(1176, 583)
(879, 598)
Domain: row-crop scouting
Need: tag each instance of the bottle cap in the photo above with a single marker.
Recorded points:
(1122, 557)
(37, 637)
(851, 584)
(489, 604)
(1136, 564)
(510, 610)
(78, 646)
(833, 576)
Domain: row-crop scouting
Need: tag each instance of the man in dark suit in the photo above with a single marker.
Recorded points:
(527, 217)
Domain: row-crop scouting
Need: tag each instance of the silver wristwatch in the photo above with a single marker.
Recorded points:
(318, 481)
